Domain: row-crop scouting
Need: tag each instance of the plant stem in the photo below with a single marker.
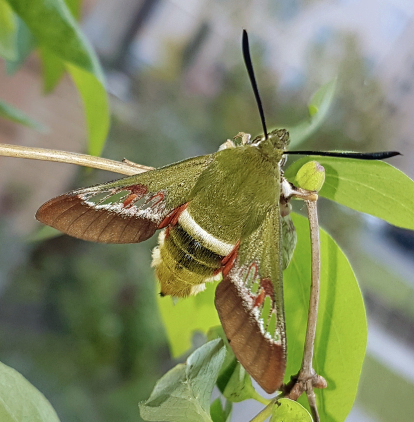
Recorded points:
(315, 287)
(125, 167)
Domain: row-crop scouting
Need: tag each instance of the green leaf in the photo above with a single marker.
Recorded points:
(53, 66)
(218, 414)
(96, 105)
(318, 109)
(233, 381)
(43, 233)
(53, 69)
(373, 187)
(8, 28)
(196, 313)
(236, 385)
(54, 26)
(341, 334)
(24, 46)
(289, 411)
(21, 401)
(183, 393)
(15, 115)
(75, 7)
(55, 29)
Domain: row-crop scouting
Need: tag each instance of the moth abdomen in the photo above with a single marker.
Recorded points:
(182, 264)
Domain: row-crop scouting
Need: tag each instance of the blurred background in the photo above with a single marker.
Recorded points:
(79, 320)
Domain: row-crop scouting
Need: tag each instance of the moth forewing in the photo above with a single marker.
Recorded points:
(128, 210)
(255, 330)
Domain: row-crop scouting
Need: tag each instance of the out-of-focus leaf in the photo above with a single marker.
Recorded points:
(318, 109)
(74, 7)
(183, 393)
(21, 401)
(373, 187)
(289, 411)
(218, 414)
(43, 233)
(341, 333)
(52, 23)
(53, 69)
(24, 46)
(55, 28)
(95, 100)
(8, 28)
(182, 319)
(15, 115)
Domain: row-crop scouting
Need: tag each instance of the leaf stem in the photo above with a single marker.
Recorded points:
(307, 379)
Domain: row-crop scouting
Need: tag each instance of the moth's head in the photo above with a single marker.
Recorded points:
(275, 144)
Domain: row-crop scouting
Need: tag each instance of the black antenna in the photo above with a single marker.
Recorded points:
(382, 155)
(250, 71)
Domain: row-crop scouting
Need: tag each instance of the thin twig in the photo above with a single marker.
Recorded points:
(307, 379)
(315, 287)
(307, 367)
(45, 154)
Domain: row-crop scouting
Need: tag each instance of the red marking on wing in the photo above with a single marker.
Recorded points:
(139, 190)
(260, 298)
(129, 200)
(267, 287)
(228, 260)
(173, 216)
(159, 195)
(256, 270)
(167, 232)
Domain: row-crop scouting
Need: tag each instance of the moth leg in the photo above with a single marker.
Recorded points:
(288, 191)
(227, 145)
(172, 217)
(245, 137)
(139, 167)
(228, 261)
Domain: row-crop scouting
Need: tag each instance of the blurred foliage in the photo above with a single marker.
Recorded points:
(79, 320)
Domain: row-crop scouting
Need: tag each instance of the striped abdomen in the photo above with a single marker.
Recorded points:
(187, 257)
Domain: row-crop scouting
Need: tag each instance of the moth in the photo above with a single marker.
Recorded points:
(221, 215)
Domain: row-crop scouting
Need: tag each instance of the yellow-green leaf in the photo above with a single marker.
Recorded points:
(182, 319)
(341, 333)
(373, 187)
(55, 28)
(8, 28)
(286, 410)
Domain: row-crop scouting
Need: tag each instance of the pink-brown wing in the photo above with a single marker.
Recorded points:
(249, 302)
(128, 210)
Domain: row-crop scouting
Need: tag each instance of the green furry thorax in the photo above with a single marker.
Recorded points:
(234, 193)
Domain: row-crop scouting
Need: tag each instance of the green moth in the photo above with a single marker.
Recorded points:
(223, 215)
(221, 218)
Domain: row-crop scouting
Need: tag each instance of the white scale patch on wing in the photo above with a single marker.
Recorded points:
(127, 204)
(257, 296)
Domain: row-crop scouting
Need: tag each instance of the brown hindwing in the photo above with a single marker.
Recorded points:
(132, 217)
(262, 358)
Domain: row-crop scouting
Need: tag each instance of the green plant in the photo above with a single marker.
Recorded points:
(372, 187)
